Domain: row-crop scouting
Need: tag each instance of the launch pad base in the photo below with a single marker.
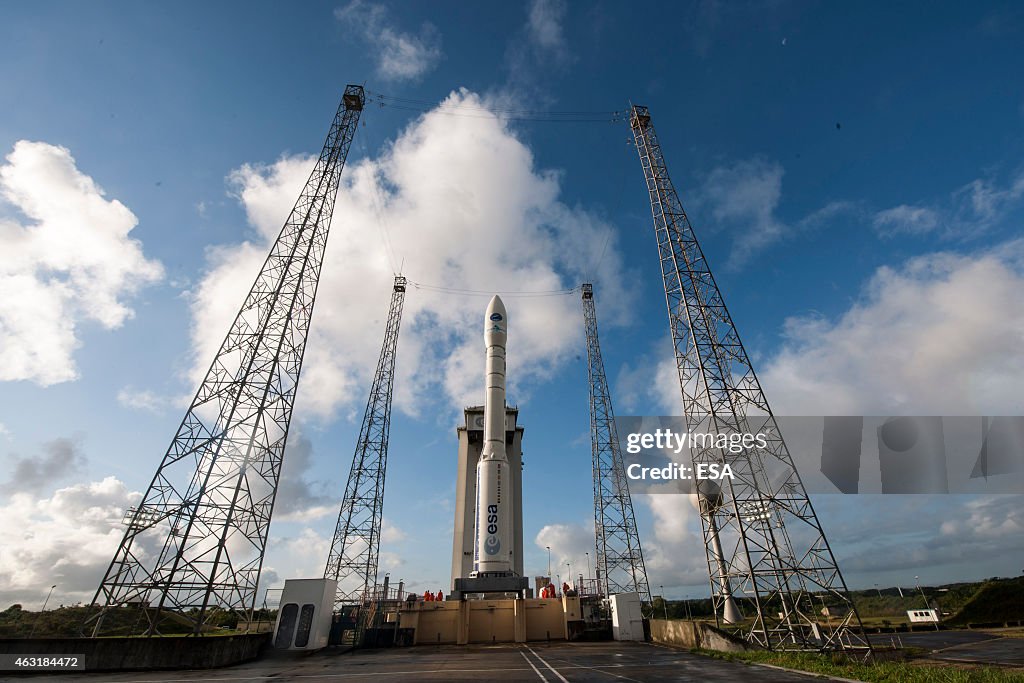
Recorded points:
(490, 586)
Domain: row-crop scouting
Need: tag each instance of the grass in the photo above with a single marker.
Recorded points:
(875, 672)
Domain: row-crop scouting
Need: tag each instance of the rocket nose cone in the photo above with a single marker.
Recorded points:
(496, 306)
(495, 320)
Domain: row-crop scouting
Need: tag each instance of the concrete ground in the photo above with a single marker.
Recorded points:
(964, 646)
(555, 663)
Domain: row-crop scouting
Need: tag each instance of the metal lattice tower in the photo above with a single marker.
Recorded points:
(195, 543)
(620, 560)
(763, 541)
(356, 546)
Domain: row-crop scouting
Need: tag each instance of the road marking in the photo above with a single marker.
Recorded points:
(601, 668)
(968, 644)
(542, 661)
(535, 669)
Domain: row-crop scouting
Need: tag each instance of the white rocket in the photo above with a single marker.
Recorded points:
(493, 550)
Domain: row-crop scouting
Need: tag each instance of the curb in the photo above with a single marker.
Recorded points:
(805, 673)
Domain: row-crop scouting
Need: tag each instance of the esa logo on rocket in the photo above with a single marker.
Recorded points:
(492, 545)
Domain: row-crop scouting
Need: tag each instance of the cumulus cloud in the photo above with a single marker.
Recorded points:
(297, 556)
(66, 539)
(942, 334)
(569, 545)
(68, 259)
(674, 551)
(60, 458)
(938, 334)
(400, 55)
(928, 535)
(504, 231)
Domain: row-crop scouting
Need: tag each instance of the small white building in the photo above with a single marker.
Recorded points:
(304, 617)
(627, 617)
(923, 616)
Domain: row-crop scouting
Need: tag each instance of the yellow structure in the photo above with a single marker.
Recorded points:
(490, 621)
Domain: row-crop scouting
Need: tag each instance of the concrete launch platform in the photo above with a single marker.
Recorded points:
(557, 663)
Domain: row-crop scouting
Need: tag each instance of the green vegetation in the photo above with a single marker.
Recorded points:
(66, 622)
(996, 601)
(876, 672)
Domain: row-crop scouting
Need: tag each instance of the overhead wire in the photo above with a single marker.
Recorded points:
(481, 292)
(466, 111)
(377, 201)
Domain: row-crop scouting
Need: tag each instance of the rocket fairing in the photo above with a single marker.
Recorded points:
(494, 552)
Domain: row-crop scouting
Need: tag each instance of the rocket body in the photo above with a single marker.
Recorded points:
(493, 550)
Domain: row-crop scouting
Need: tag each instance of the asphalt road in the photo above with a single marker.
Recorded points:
(557, 663)
(965, 646)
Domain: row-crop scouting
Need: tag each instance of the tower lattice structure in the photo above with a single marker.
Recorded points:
(620, 559)
(194, 545)
(763, 540)
(356, 546)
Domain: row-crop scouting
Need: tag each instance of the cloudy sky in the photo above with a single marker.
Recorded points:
(855, 175)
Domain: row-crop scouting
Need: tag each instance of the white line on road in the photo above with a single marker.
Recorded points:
(535, 669)
(560, 676)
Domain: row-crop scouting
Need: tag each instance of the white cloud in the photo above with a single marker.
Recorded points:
(743, 198)
(943, 334)
(142, 399)
(674, 553)
(569, 544)
(544, 26)
(906, 219)
(389, 533)
(649, 386)
(989, 202)
(299, 556)
(66, 539)
(69, 260)
(746, 195)
(938, 537)
(400, 55)
(504, 230)
(970, 210)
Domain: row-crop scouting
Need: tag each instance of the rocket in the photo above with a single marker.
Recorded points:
(493, 551)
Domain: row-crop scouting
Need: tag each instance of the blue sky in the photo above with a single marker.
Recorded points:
(854, 173)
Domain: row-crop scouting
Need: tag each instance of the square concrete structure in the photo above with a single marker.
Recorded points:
(304, 617)
(471, 437)
(627, 618)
